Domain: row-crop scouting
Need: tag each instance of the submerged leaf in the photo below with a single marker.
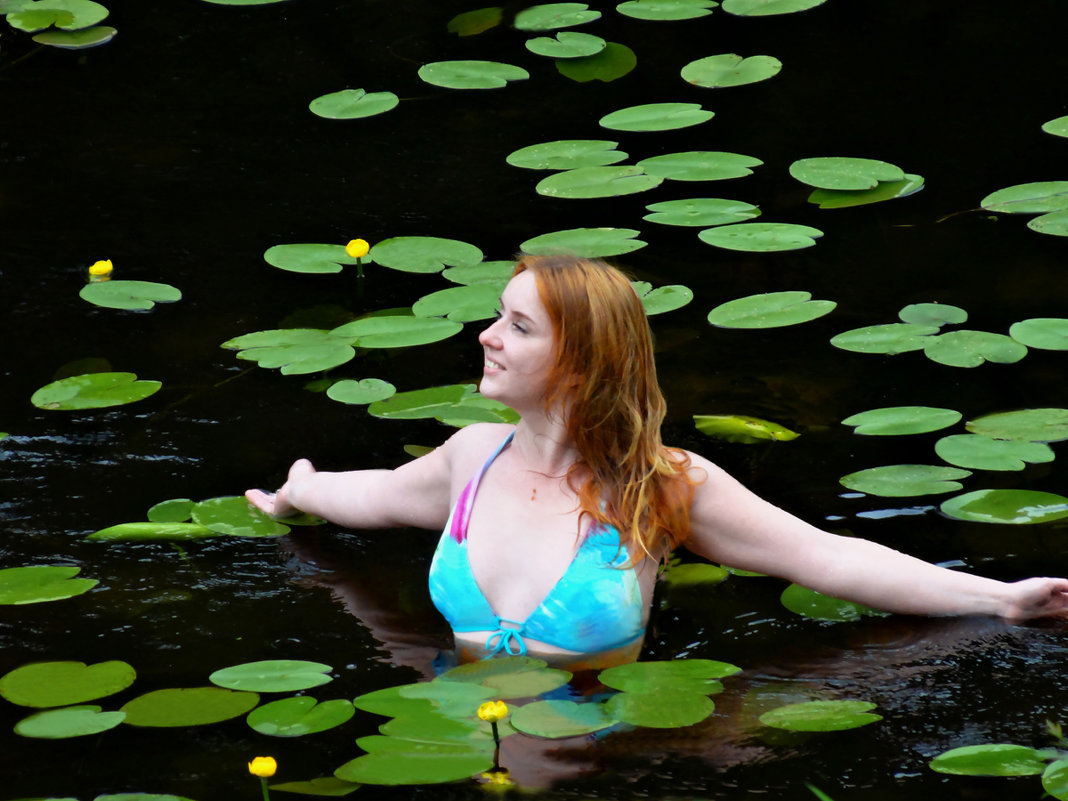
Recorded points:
(886, 190)
(471, 23)
(614, 61)
(809, 603)
(739, 428)
(77, 40)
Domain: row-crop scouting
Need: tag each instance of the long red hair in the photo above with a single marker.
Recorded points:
(605, 379)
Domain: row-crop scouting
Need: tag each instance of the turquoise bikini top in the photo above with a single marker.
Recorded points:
(595, 606)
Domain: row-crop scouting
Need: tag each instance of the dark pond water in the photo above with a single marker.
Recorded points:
(184, 148)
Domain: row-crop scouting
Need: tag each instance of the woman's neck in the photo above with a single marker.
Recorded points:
(544, 445)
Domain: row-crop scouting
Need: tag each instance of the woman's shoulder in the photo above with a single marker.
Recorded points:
(469, 447)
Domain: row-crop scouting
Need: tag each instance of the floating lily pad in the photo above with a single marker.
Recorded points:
(1018, 507)
(323, 785)
(886, 190)
(561, 718)
(568, 154)
(471, 74)
(1001, 759)
(933, 314)
(770, 310)
(70, 15)
(362, 392)
(761, 236)
(196, 706)
(701, 212)
(764, 8)
(589, 243)
(984, 453)
(809, 603)
(390, 703)
(1037, 197)
(436, 727)
(700, 165)
(73, 721)
(299, 715)
(844, 173)
(424, 254)
(451, 698)
(900, 420)
(233, 515)
(47, 684)
(40, 583)
(453, 402)
(1057, 127)
(656, 117)
(487, 272)
(821, 716)
(417, 763)
(472, 23)
(972, 348)
(461, 304)
(590, 182)
(396, 331)
(479, 672)
(93, 391)
(351, 104)
(272, 676)
(151, 532)
(675, 675)
(296, 351)
(243, 2)
(1036, 425)
(310, 258)
(891, 338)
(666, 298)
(129, 294)
(730, 69)
(1054, 224)
(905, 480)
(662, 710)
(666, 10)
(694, 574)
(611, 63)
(1055, 779)
(77, 40)
(566, 44)
(740, 428)
(153, 796)
(175, 510)
(551, 16)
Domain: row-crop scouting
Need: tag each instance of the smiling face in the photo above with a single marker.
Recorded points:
(519, 347)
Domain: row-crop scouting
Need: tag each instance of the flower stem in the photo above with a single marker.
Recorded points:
(263, 784)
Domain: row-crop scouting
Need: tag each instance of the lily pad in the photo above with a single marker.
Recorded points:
(443, 403)
(196, 706)
(590, 182)
(175, 510)
(985, 453)
(694, 574)
(589, 243)
(821, 716)
(1035, 425)
(901, 420)
(472, 23)
(435, 727)
(1055, 779)
(72, 721)
(47, 684)
(233, 515)
(1037, 197)
(471, 74)
(297, 351)
(417, 763)
(844, 173)
(764, 8)
(396, 331)
(886, 190)
(701, 212)
(561, 718)
(390, 703)
(152, 532)
(40, 583)
(656, 117)
(93, 391)
(566, 44)
(1055, 223)
(1018, 507)
(567, 154)
(761, 236)
(666, 298)
(770, 310)
(933, 314)
(272, 676)
(809, 603)
(299, 715)
(891, 338)
(486, 272)
(351, 104)
(456, 699)
(1000, 759)
(611, 63)
(1057, 127)
(323, 785)
(700, 165)
(666, 10)
(730, 69)
(77, 40)
(662, 710)
(972, 348)
(424, 254)
(362, 392)
(551, 16)
(310, 258)
(70, 15)
(740, 428)
(461, 304)
(905, 480)
(666, 676)
(129, 294)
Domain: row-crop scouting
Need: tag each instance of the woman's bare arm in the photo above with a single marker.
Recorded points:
(731, 525)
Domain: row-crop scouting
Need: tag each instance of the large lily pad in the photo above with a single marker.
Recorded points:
(424, 254)
(272, 676)
(972, 348)
(461, 304)
(666, 10)
(552, 16)
(985, 453)
(72, 721)
(351, 104)
(93, 391)
(1045, 333)
(905, 480)
(890, 338)
(900, 420)
(70, 15)
(809, 603)
(567, 154)
(999, 759)
(456, 404)
(770, 310)
(1037, 197)
(1055, 223)
(471, 74)
(391, 703)
(362, 392)
(1035, 425)
(591, 182)
(742, 428)
(417, 763)
(296, 351)
(456, 699)
(662, 710)
(396, 331)
(886, 190)
(40, 583)
(438, 727)
(561, 718)
(76, 40)
(761, 236)
(472, 23)
(821, 716)
(730, 69)
(299, 715)
(1018, 507)
(700, 165)
(764, 8)
(844, 173)
(498, 273)
(702, 212)
(666, 676)
(656, 117)
(140, 295)
(566, 44)
(47, 684)
(614, 61)
(233, 515)
(590, 243)
(310, 258)
(196, 706)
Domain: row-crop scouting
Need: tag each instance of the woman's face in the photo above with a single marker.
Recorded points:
(519, 347)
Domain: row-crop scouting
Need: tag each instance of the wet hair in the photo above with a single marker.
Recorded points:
(604, 380)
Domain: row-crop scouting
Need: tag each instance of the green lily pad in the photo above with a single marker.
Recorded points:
(821, 716)
(396, 331)
(47, 684)
(566, 154)
(891, 338)
(611, 63)
(417, 763)
(1055, 776)
(486, 272)
(662, 710)
(701, 212)
(1000, 759)
(310, 258)
(1037, 197)
(761, 236)
(72, 721)
(1036, 425)
(694, 574)
(764, 8)
(700, 165)
(552, 16)
(68, 15)
(129, 294)
(479, 672)
(901, 420)
(886, 190)
(77, 40)
(809, 603)
(297, 351)
(454, 699)
(1018, 507)
(424, 254)
(242, 3)
(461, 303)
(351, 104)
(690, 676)
(932, 314)
(233, 515)
(1055, 223)
(437, 727)
(152, 532)
(590, 182)
(666, 298)
(740, 428)
(905, 480)
(448, 402)
(196, 706)
(272, 676)
(323, 785)
(770, 310)
(730, 69)
(566, 44)
(1057, 127)
(589, 243)
(362, 392)
(561, 718)
(666, 10)
(472, 23)
(984, 453)
(175, 510)
(299, 715)
(40, 583)
(972, 348)
(471, 74)
(656, 117)
(93, 391)
(390, 703)
(844, 173)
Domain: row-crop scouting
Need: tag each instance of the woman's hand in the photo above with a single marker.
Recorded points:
(277, 504)
(1037, 597)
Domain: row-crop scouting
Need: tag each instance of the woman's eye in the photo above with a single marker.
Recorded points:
(519, 328)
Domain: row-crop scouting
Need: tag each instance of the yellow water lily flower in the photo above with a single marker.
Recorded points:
(264, 767)
(498, 777)
(357, 248)
(492, 711)
(100, 270)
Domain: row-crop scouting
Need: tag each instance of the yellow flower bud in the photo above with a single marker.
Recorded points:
(492, 711)
(498, 777)
(100, 270)
(357, 248)
(264, 767)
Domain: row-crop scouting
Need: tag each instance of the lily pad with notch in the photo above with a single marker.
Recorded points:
(174, 510)
(730, 69)
(590, 243)
(1037, 197)
(461, 303)
(761, 237)
(310, 258)
(702, 212)
(321, 786)
(614, 61)
(558, 718)
(666, 10)
(1035, 425)
(978, 452)
(424, 254)
(76, 40)
(52, 684)
(932, 314)
(552, 16)
(68, 15)
(472, 23)
(665, 298)
(812, 716)
(396, 331)
(272, 676)
(1056, 127)
(964, 348)
(566, 44)
(567, 154)
(595, 182)
(412, 762)
(362, 392)
(132, 295)
(1013, 506)
(71, 721)
(700, 165)
(352, 104)
(471, 74)
(886, 190)
(1055, 779)
(770, 310)
(486, 272)
(299, 715)
(902, 420)
(35, 584)
(698, 676)
(891, 338)
(667, 709)
(656, 117)
(905, 480)
(234, 516)
(831, 172)
(93, 391)
(812, 604)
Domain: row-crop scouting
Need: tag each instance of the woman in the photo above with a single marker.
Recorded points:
(554, 528)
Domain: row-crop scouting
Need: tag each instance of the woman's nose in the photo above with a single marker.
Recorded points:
(489, 337)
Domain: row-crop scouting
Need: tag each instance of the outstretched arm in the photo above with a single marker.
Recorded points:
(731, 525)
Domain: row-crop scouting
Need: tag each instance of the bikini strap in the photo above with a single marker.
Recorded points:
(464, 504)
(508, 641)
